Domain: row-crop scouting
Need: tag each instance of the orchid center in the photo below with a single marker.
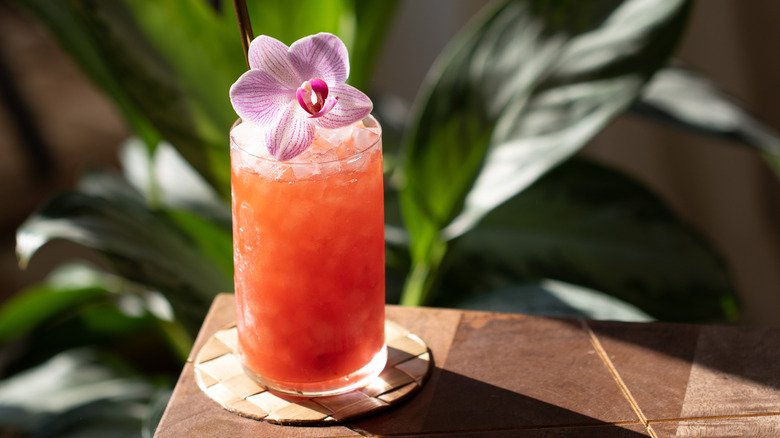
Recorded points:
(313, 97)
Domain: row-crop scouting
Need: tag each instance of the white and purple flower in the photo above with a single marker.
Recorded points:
(288, 91)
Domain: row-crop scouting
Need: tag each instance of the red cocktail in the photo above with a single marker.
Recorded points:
(308, 245)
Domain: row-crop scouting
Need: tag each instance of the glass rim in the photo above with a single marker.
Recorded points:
(370, 117)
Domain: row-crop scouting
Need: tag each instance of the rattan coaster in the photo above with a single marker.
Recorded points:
(219, 374)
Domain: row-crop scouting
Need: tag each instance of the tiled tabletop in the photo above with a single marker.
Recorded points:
(503, 375)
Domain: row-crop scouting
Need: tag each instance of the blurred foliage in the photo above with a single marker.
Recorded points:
(485, 206)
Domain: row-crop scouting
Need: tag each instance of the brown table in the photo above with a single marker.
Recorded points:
(507, 375)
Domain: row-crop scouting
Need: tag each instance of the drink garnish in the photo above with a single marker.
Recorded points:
(289, 91)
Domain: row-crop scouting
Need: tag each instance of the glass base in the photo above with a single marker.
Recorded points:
(358, 379)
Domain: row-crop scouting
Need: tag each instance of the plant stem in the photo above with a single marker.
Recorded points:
(423, 275)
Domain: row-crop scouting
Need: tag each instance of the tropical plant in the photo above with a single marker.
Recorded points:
(485, 205)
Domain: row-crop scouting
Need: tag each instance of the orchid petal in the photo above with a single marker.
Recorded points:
(304, 98)
(353, 106)
(272, 56)
(321, 56)
(329, 104)
(257, 97)
(291, 135)
(291, 90)
(319, 87)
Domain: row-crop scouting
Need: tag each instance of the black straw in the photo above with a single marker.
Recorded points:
(244, 26)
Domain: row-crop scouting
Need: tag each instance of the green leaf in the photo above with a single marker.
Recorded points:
(555, 298)
(371, 22)
(169, 64)
(66, 289)
(115, 418)
(290, 21)
(167, 181)
(193, 119)
(520, 91)
(212, 240)
(142, 245)
(188, 202)
(75, 394)
(156, 410)
(685, 99)
(67, 20)
(79, 305)
(200, 49)
(586, 225)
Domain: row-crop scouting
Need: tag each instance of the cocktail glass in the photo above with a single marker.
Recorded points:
(308, 246)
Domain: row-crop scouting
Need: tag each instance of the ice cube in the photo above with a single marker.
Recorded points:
(337, 136)
(356, 163)
(250, 138)
(279, 171)
(328, 162)
(327, 156)
(305, 170)
(366, 137)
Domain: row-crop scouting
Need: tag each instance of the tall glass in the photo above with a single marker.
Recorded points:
(308, 247)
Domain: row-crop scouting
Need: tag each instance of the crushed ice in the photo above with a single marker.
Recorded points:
(314, 161)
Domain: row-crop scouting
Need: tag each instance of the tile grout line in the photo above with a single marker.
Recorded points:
(501, 429)
(594, 341)
(715, 417)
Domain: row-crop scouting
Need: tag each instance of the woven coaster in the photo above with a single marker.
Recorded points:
(219, 374)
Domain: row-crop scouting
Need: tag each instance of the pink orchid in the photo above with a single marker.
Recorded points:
(290, 91)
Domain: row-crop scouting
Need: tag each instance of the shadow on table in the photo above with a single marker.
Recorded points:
(453, 403)
(749, 353)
